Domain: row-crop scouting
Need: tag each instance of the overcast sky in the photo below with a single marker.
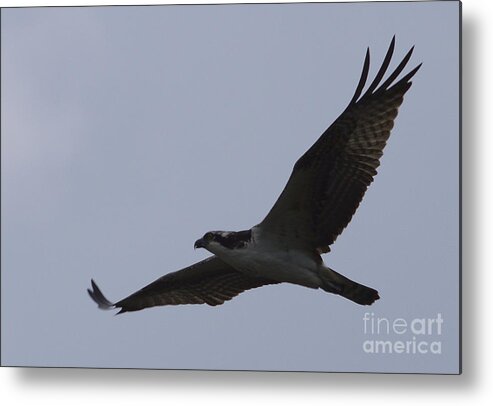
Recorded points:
(128, 132)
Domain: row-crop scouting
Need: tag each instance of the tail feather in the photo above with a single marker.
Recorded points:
(334, 282)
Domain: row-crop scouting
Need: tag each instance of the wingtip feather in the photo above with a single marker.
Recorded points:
(96, 295)
(363, 78)
(375, 86)
(381, 72)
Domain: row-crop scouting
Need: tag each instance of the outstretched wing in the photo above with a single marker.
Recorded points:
(329, 181)
(209, 281)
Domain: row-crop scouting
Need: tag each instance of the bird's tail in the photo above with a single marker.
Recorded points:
(334, 282)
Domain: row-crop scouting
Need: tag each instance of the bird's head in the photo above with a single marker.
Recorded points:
(215, 241)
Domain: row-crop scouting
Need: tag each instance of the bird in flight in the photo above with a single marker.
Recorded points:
(321, 196)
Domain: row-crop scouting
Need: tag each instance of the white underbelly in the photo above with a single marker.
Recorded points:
(282, 266)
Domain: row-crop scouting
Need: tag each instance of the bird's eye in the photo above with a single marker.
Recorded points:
(208, 236)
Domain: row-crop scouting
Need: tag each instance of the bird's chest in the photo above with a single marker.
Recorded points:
(278, 264)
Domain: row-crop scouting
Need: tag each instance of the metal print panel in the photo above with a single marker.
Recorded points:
(308, 152)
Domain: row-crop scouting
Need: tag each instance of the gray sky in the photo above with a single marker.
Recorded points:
(128, 132)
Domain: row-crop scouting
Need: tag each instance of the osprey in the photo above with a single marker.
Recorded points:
(323, 192)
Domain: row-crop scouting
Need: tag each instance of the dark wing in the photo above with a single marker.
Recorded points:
(209, 281)
(329, 181)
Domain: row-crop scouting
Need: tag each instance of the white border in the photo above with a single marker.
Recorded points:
(123, 387)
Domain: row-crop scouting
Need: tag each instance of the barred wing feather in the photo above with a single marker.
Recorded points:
(329, 181)
(210, 281)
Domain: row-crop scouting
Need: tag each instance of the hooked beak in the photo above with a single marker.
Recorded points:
(200, 243)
